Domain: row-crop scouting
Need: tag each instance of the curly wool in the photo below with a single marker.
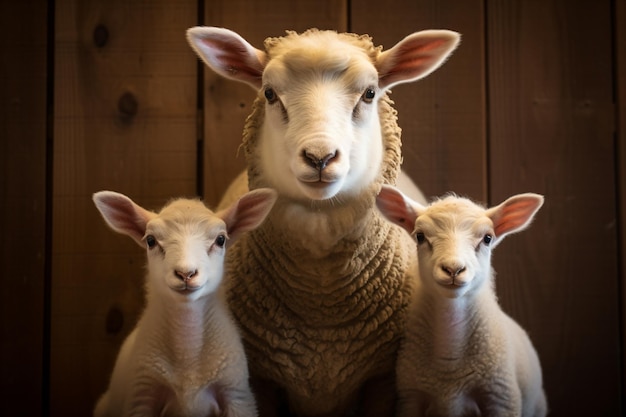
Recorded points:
(322, 323)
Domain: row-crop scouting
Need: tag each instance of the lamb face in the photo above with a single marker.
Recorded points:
(454, 255)
(185, 248)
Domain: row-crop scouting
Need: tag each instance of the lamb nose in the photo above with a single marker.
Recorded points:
(186, 275)
(319, 163)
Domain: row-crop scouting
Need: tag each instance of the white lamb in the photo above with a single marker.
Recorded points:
(463, 356)
(320, 289)
(185, 356)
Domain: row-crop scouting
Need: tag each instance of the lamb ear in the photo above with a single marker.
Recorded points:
(123, 215)
(248, 212)
(228, 54)
(515, 214)
(415, 56)
(398, 208)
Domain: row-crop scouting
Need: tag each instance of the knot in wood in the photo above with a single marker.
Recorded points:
(100, 36)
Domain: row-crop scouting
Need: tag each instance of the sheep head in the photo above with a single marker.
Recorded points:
(320, 100)
(185, 241)
(455, 236)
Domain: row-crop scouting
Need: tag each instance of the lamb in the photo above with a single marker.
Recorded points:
(185, 356)
(462, 354)
(321, 288)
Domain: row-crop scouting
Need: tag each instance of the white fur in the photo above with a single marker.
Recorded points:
(185, 356)
(462, 354)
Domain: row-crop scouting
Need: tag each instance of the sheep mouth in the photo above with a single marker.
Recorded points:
(317, 184)
(185, 289)
(316, 188)
(452, 284)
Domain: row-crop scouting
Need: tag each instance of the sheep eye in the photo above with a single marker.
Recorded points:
(368, 95)
(270, 95)
(151, 241)
(420, 238)
(220, 240)
(487, 239)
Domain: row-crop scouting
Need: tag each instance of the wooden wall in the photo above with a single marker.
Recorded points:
(23, 206)
(106, 94)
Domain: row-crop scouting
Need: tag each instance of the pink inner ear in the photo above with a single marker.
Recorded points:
(515, 216)
(233, 58)
(122, 215)
(248, 212)
(415, 57)
(395, 208)
(420, 48)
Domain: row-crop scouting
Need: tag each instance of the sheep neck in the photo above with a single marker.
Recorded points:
(274, 267)
(452, 323)
(185, 325)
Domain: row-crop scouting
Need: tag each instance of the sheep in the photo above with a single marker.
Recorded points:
(462, 354)
(320, 289)
(185, 356)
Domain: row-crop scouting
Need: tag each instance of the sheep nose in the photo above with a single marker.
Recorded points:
(186, 275)
(453, 270)
(319, 163)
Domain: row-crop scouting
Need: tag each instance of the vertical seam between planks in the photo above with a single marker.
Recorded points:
(487, 116)
(200, 111)
(49, 194)
(618, 131)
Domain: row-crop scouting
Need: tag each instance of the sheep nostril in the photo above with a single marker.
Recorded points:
(319, 163)
(186, 275)
(453, 271)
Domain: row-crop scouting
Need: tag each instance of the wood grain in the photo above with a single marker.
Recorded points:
(551, 131)
(620, 80)
(125, 120)
(22, 206)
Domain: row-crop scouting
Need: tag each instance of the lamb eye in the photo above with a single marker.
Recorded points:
(420, 238)
(151, 241)
(368, 95)
(220, 240)
(487, 239)
(270, 95)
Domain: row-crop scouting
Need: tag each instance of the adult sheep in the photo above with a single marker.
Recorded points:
(320, 290)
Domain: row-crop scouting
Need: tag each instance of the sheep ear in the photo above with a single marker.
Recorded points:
(228, 54)
(398, 208)
(415, 56)
(248, 212)
(123, 215)
(515, 214)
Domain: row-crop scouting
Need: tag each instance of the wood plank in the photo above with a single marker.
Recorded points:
(620, 54)
(125, 120)
(22, 205)
(228, 103)
(442, 116)
(551, 131)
